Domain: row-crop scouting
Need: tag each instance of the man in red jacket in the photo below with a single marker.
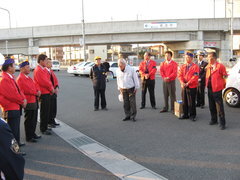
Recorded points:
(31, 92)
(54, 81)
(147, 70)
(215, 82)
(12, 99)
(42, 79)
(188, 77)
(168, 71)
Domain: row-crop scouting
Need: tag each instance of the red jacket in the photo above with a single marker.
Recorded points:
(55, 79)
(218, 75)
(28, 87)
(42, 79)
(190, 76)
(151, 68)
(169, 70)
(10, 96)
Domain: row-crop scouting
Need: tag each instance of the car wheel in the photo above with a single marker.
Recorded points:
(76, 74)
(232, 97)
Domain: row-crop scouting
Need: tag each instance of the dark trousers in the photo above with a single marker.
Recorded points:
(150, 85)
(129, 102)
(30, 123)
(216, 106)
(189, 106)
(53, 109)
(201, 94)
(12, 117)
(97, 94)
(45, 105)
(169, 89)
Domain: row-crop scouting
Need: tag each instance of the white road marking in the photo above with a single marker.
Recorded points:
(114, 162)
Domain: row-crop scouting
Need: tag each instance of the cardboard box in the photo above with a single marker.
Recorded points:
(178, 109)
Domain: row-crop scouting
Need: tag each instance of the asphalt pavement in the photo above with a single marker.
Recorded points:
(175, 149)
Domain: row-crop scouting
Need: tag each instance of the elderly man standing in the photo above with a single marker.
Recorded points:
(215, 82)
(31, 92)
(188, 77)
(128, 83)
(12, 99)
(168, 71)
(147, 70)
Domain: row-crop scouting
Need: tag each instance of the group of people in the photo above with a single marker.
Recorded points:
(193, 77)
(25, 95)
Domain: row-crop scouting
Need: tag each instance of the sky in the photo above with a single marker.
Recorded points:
(25, 13)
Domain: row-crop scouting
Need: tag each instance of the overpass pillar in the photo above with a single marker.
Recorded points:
(225, 48)
(33, 47)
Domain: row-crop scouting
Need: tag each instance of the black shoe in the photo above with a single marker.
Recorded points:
(222, 127)
(197, 105)
(37, 136)
(32, 140)
(105, 109)
(133, 119)
(96, 109)
(202, 107)
(22, 153)
(56, 124)
(142, 107)
(213, 123)
(21, 144)
(153, 107)
(46, 132)
(51, 126)
(49, 129)
(193, 119)
(126, 119)
(163, 110)
(184, 117)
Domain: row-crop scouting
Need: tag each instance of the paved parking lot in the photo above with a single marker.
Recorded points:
(175, 149)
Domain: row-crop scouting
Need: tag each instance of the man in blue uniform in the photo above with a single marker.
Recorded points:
(11, 161)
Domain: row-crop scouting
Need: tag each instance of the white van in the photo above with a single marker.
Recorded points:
(55, 65)
(231, 94)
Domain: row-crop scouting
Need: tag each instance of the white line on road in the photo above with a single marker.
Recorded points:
(114, 162)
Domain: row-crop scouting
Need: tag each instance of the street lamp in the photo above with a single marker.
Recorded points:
(9, 16)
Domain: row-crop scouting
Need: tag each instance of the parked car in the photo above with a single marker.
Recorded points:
(55, 65)
(114, 66)
(85, 70)
(73, 69)
(231, 94)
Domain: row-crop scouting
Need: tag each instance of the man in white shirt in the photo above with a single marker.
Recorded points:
(128, 83)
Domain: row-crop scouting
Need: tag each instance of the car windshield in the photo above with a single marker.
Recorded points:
(55, 63)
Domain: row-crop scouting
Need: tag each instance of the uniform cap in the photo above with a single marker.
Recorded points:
(8, 61)
(25, 63)
(97, 57)
(189, 54)
(201, 53)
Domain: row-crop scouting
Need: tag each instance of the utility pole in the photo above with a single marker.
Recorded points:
(83, 33)
(231, 34)
(9, 19)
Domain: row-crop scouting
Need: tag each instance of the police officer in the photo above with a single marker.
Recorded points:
(11, 160)
(31, 92)
(98, 76)
(147, 70)
(215, 82)
(188, 77)
(12, 98)
(201, 80)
